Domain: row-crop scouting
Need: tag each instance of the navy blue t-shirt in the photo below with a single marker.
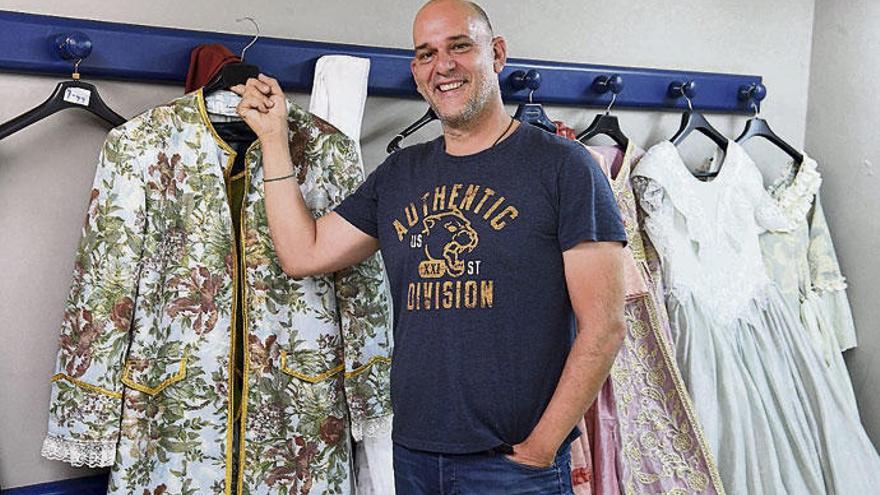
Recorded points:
(473, 248)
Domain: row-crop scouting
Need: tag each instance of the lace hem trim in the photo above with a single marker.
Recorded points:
(368, 428)
(79, 453)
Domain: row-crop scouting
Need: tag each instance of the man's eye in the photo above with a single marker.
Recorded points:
(424, 57)
(461, 46)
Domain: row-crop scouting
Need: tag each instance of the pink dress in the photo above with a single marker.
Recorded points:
(644, 436)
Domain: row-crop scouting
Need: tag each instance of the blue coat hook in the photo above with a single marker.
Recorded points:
(530, 80)
(76, 46)
(604, 84)
(73, 46)
(755, 91)
(752, 94)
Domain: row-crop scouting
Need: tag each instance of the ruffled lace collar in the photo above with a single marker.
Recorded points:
(796, 191)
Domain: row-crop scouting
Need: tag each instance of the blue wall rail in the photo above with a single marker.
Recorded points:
(91, 485)
(154, 54)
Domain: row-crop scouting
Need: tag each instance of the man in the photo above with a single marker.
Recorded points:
(496, 237)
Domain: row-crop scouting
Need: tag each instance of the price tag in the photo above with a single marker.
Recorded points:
(77, 96)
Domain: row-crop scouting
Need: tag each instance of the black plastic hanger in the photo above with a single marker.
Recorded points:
(67, 94)
(235, 73)
(691, 121)
(758, 127)
(231, 74)
(533, 113)
(236, 133)
(695, 121)
(394, 145)
(605, 124)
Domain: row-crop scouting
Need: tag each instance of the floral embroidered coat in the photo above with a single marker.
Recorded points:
(145, 377)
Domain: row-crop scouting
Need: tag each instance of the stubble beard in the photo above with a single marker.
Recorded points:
(469, 114)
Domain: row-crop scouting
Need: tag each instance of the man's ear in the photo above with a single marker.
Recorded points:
(499, 53)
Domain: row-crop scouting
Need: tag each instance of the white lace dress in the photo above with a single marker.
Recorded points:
(773, 419)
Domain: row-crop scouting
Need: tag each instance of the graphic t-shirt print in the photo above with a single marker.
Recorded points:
(446, 226)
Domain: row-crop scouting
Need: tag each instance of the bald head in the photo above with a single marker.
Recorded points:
(481, 16)
(474, 12)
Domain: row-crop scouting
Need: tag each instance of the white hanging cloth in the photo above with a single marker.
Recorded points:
(339, 93)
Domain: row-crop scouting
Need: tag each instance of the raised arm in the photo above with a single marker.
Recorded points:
(304, 246)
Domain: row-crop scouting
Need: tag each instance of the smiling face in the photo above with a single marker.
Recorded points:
(456, 61)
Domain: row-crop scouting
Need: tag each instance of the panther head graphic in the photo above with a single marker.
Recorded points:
(447, 236)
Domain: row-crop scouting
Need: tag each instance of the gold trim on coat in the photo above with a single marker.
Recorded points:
(87, 386)
(176, 377)
(332, 371)
(230, 384)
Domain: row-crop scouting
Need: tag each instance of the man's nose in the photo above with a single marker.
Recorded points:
(445, 62)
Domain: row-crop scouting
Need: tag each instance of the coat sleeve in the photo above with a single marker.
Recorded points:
(86, 392)
(363, 302)
(364, 306)
(827, 279)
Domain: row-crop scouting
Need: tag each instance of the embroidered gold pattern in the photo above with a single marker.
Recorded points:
(640, 376)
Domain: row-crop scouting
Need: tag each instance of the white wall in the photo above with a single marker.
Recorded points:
(843, 135)
(46, 170)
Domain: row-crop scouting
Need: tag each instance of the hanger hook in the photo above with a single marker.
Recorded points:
(687, 99)
(256, 37)
(611, 104)
(75, 74)
(531, 92)
(755, 108)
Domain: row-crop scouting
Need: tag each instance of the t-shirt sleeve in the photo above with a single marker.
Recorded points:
(587, 209)
(359, 208)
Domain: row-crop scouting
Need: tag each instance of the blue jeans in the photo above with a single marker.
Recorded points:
(427, 473)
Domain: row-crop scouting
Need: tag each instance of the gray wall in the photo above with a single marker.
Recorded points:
(46, 170)
(843, 135)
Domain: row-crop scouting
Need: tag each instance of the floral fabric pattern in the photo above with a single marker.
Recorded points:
(145, 373)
